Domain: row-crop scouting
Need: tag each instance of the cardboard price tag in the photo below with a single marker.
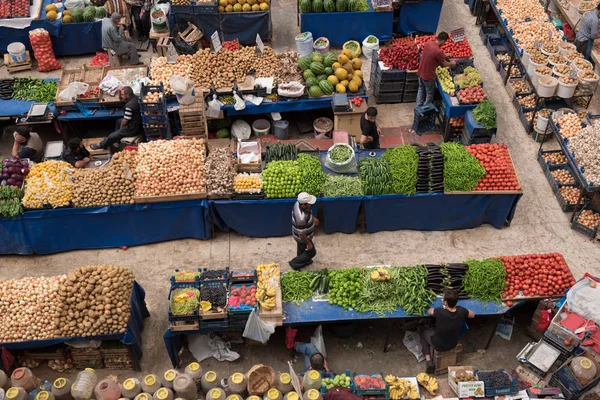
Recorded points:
(171, 54)
(259, 44)
(573, 73)
(550, 32)
(538, 44)
(216, 41)
(458, 35)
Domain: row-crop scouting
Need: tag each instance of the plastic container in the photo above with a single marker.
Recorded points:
(556, 73)
(168, 378)
(281, 129)
(162, 394)
(237, 383)
(547, 86)
(234, 397)
(254, 398)
(566, 90)
(261, 127)
(535, 79)
(84, 385)
(107, 389)
(532, 66)
(304, 44)
(17, 51)
(16, 393)
(583, 369)
(130, 388)
(284, 383)
(210, 380)
(547, 53)
(291, 396)
(525, 59)
(589, 64)
(312, 380)
(565, 47)
(542, 123)
(61, 388)
(144, 396)
(4, 381)
(44, 395)
(312, 394)
(185, 387)
(23, 377)
(215, 394)
(195, 371)
(323, 128)
(150, 384)
(273, 394)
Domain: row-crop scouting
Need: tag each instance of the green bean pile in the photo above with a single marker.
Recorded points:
(484, 280)
(312, 177)
(375, 176)
(404, 162)
(295, 286)
(383, 296)
(33, 89)
(416, 298)
(340, 154)
(342, 186)
(462, 171)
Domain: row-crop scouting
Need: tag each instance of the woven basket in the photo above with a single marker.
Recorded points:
(260, 379)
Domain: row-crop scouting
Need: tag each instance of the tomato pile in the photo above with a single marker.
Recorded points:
(471, 95)
(14, 9)
(404, 40)
(42, 49)
(357, 101)
(455, 49)
(400, 56)
(500, 173)
(369, 382)
(457, 122)
(231, 45)
(536, 275)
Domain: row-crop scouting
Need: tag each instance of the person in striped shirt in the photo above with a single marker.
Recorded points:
(303, 230)
(129, 125)
(587, 33)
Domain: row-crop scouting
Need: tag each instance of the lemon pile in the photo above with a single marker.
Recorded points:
(50, 183)
(268, 272)
(247, 183)
(243, 5)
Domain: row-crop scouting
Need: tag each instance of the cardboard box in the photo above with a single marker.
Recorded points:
(465, 389)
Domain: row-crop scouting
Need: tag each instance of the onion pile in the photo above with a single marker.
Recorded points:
(13, 172)
(169, 167)
(534, 31)
(49, 183)
(570, 194)
(93, 300)
(589, 218)
(519, 10)
(570, 125)
(563, 176)
(27, 308)
(555, 158)
(220, 171)
(585, 147)
(161, 71)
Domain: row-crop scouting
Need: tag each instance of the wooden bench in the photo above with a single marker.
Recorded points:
(445, 359)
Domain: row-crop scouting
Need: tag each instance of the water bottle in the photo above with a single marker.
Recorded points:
(84, 385)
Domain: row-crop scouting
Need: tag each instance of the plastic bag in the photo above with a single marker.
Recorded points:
(211, 345)
(369, 47)
(100, 60)
(322, 48)
(74, 4)
(257, 329)
(290, 89)
(239, 103)
(73, 90)
(241, 130)
(214, 107)
(290, 337)
(183, 88)
(304, 43)
(412, 341)
(42, 50)
(110, 84)
(347, 166)
(544, 321)
(318, 342)
(583, 299)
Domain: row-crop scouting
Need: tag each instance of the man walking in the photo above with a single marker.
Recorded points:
(303, 231)
(587, 33)
(431, 57)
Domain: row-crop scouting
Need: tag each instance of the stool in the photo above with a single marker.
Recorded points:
(445, 359)
(132, 140)
(114, 60)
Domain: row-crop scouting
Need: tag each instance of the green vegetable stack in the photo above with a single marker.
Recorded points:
(10, 201)
(485, 279)
(281, 152)
(404, 162)
(485, 114)
(339, 381)
(340, 154)
(33, 89)
(342, 186)
(312, 177)
(381, 296)
(184, 301)
(416, 298)
(462, 171)
(375, 176)
(344, 287)
(295, 286)
(281, 179)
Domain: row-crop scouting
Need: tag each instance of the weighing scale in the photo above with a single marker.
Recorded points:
(341, 103)
(539, 357)
(37, 113)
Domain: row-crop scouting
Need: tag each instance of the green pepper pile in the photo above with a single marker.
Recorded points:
(462, 171)
(33, 89)
(485, 279)
(312, 177)
(404, 162)
(296, 286)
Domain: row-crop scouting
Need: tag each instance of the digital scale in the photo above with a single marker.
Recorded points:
(37, 113)
(341, 103)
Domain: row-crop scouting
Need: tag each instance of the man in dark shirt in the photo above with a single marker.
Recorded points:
(127, 126)
(449, 321)
(431, 57)
(369, 130)
(303, 230)
(76, 154)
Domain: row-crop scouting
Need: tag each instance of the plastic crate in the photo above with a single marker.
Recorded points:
(543, 163)
(552, 167)
(160, 106)
(563, 378)
(157, 129)
(411, 86)
(191, 317)
(189, 9)
(473, 128)
(382, 87)
(243, 277)
(496, 41)
(385, 74)
(468, 140)
(525, 119)
(513, 388)
(412, 76)
(566, 207)
(487, 29)
(205, 280)
(409, 97)
(206, 8)
(206, 284)
(503, 73)
(156, 119)
(389, 98)
(369, 392)
(195, 281)
(214, 324)
(589, 232)
(243, 309)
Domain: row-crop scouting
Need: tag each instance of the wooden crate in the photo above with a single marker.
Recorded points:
(276, 314)
(445, 359)
(191, 35)
(170, 197)
(95, 153)
(92, 74)
(181, 326)
(162, 46)
(13, 66)
(67, 76)
(94, 98)
(213, 314)
(193, 119)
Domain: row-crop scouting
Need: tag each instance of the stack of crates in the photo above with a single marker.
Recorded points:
(389, 84)
(154, 113)
(193, 120)
(473, 133)
(411, 87)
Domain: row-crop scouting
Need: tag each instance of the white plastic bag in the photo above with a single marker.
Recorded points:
(183, 88)
(241, 130)
(290, 89)
(304, 44)
(257, 329)
(73, 90)
(583, 299)
(110, 84)
(318, 342)
(239, 103)
(211, 345)
(369, 47)
(74, 4)
(214, 107)
(345, 167)
(412, 341)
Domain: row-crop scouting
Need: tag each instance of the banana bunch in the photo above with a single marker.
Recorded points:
(266, 295)
(380, 274)
(428, 382)
(401, 388)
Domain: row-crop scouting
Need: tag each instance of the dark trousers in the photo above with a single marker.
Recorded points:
(142, 25)
(303, 257)
(584, 48)
(426, 335)
(116, 136)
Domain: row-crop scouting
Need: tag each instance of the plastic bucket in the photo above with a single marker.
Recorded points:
(548, 53)
(261, 127)
(556, 73)
(553, 64)
(323, 128)
(321, 49)
(542, 123)
(590, 66)
(565, 47)
(535, 79)
(17, 51)
(547, 86)
(587, 86)
(281, 129)
(532, 66)
(574, 12)
(566, 90)
(525, 59)
(304, 45)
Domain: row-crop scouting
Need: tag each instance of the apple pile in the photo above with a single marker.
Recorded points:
(499, 170)
(471, 95)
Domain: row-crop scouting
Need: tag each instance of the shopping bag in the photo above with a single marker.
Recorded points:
(544, 321)
(290, 337)
(318, 341)
(257, 329)
(73, 90)
(214, 107)
(239, 103)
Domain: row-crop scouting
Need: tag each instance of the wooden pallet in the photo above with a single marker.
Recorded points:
(92, 74)
(95, 153)
(170, 197)
(162, 46)
(180, 326)
(213, 314)
(193, 119)
(13, 66)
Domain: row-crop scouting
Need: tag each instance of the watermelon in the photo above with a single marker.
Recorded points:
(353, 5)
(77, 15)
(312, 81)
(329, 5)
(308, 74)
(329, 59)
(100, 12)
(305, 6)
(316, 56)
(317, 6)
(304, 63)
(222, 133)
(322, 77)
(315, 91)
(317, 68)
(89, 16)
(89, 9)
(326, 87)
(328, 71)
(340, 5)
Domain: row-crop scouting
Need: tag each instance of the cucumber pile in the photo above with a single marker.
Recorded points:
(376, 176)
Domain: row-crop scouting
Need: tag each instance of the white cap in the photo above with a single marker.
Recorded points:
(305, 198)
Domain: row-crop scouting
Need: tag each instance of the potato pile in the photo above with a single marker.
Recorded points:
(161, 71)
(589, 218)
(49, 183)
(585, 147)
(570, 125)
(93, 300)
(169, 167)
(288, 67)
(27, 308)
(570, 194)
(220, 171)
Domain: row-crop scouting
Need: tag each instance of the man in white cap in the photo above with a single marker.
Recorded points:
(113, 38)
(303, 230)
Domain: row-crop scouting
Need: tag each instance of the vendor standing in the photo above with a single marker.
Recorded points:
(431, 57)
(587, 33)
(76, 154)
(140, 11)
(303, 231)
(129, 125)
(114, 38)
(27, 144)
(369, 129)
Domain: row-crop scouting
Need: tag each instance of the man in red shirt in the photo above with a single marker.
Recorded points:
(431, 57)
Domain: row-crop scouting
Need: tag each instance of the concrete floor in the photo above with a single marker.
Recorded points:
(538, 226)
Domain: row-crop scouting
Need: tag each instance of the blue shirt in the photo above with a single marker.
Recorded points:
(589, 27)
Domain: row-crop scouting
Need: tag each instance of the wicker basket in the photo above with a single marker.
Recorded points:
(260, 379)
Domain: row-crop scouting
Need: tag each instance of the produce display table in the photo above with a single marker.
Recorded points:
(422, 16)
(15, 108)
(44, 231)
(451, 110)
(339, 27)
(132, 337)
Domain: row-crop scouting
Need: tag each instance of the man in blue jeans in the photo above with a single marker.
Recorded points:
(431, 56)
(312, 358)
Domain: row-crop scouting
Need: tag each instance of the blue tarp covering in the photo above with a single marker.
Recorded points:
(340, 214)
(132, 337)
(339, 27)
(53, 231)
(422, 16)
(10, 108)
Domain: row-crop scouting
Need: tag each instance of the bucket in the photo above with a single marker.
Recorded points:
(525, 59)
(556, 73)
(587, 86)
(558, 60)
(583, 65)
(281, 129)
(552, 7)
(564, 47)
(323, 128)
(536, 78)
(261, 127)
(547, 86)
(573, 11)
(17, 51)
(532, 66)
(304, 44)
(548, 53)
(542, 123)
(566, 90)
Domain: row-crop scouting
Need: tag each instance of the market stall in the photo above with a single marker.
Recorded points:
(18, 108)
(422, 16)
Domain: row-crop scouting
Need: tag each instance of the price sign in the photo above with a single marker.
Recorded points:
(538, 44)
(216, 41)
(171, 54)
(458, 35)
(572, 72)
(550, 32)
(259, 44)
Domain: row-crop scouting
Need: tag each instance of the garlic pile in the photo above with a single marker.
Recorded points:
(535, 31)
(585, 147)
(27, 308)
(288, 70)
(169, 167)
(220, 171)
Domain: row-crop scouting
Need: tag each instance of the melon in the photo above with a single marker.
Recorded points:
(77, 15)
(221, 9)
(252, 2)
(321, 77)
(304, 63)
(222, 133)
(255, 7)
(328, 71)
(305, 6)
(340, 88)
(51, 7)
(317, 6)
(348, 67)
(51, 15)
(264, 6)
(310, 82)
(343, 59)
(357, 80)
(317, 68)
(326, 87)
(341, 74)
(353, 86)
(358, 73)
(308, 74)
(353, 5)
(247, 7)
(329, 59)
(229, 8)
(316, 57)
(89, 9)
(345, 83)
(89, 16)
(347, 53)
(336, 65)
(100, 12)
(329, 5)
(356, 63)
(237, 7)
(67, 19)
(333, 80)
(315, 91)
(67, 12)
